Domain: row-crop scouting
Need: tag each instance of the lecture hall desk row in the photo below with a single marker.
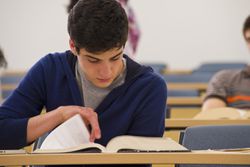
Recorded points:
(127, 158)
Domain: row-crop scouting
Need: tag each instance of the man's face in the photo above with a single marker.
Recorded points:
(247, 37)
(103, 68)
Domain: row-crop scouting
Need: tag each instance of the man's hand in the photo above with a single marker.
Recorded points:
(41, 124)
(89, 116)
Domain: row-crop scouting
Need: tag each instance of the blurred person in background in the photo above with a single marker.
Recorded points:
(230, 88)
(3, 62)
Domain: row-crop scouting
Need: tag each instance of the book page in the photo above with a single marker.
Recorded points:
(139, 143)
(229, 150)
(71, 133)
(85, 147)
(242, 150)
(246, 115)
(221, 113)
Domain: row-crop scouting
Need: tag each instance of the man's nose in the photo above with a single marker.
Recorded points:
(105, 70)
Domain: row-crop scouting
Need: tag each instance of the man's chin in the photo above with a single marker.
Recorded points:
(103, 85)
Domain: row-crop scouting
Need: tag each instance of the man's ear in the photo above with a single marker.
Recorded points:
(72, 47)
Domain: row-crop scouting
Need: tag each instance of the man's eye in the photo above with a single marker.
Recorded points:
(115, 58)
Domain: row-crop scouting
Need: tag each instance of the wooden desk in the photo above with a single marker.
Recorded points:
(8, 87)
(184, 112)
(183, 123)
(187, 86)
(126, 158)
(14, 73)
(181, 72)
(178, 101)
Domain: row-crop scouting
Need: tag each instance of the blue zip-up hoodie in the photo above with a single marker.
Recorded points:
(137, 107)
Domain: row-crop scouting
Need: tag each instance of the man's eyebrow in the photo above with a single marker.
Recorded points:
(89, 56)
(92, 57)
(118, 54)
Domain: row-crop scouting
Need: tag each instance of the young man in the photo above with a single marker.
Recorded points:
(113, 94)
(230, 88)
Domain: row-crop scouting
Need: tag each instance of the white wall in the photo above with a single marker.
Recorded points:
(32, 28)
(181, 33)
(184, 33)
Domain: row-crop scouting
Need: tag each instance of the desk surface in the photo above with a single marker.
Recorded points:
(8, 87)
(127, 158)
(184, 101)
(187, 86)
(183, 123)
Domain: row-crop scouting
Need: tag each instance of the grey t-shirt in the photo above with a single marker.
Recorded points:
(232, 86)
(92, 95)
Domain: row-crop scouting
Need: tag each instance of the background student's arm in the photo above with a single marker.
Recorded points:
(212, 103)
(216, 92)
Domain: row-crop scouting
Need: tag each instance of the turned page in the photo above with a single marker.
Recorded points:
(223, 113)
(71, 133)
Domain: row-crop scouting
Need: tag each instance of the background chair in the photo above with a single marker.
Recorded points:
(183, 93)
(37, 144)
(188, 78)
(9, 82)
(39, 141)
(216, 137)
(213, 67)
(157, 67)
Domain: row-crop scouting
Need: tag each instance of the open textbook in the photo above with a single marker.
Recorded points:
(223, 113)
(73, 136)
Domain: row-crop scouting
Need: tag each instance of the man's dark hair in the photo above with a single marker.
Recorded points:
(98, 25)
(71, 5)
(3, 62)
(246, 25)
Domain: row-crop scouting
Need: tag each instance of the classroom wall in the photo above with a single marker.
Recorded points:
(180, 33)
(185, 33)
(32, 28)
